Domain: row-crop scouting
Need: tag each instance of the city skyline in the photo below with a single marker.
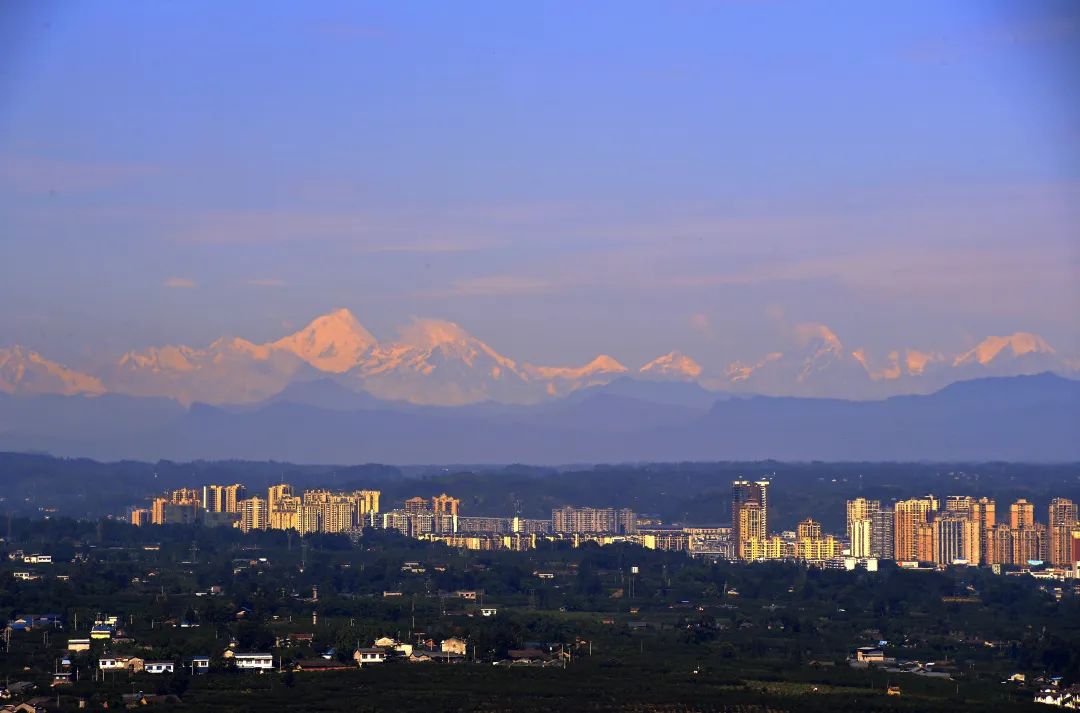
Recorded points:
(958, 530)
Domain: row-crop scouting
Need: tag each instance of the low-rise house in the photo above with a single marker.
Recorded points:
(1063, 698)
(453, 645)
(38, 559)
(428, 655)
(36, 621)
(489, 611)
(158, 667)
(369, 655)
(251, 661)
(26, 576)
(199, 664)
(387, 642)
(132, 664)
(78, 644)
(26, 707)
(101, 631)
(18, 688)
(534, 656)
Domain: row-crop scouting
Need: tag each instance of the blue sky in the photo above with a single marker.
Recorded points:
(560, 178)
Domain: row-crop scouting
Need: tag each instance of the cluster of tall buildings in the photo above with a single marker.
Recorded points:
(959, 530)
(318, 510)
(964, 530)
(282, 509)
(213, 505)
(753, 540)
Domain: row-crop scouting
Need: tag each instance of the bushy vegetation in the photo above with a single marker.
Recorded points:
(695, 635)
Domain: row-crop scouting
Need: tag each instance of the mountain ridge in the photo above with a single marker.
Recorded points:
(438, 362)
(1024, 418)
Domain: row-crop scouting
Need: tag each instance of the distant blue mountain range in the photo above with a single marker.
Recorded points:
(1021, 418)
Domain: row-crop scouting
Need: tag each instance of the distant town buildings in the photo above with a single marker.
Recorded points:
(960, 530)
(584, 520)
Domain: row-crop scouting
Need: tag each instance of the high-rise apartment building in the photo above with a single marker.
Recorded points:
(583, 520)
(999, 544)
(284, 512)
(808, 528)
(254, 514)
(956, 538)
(211, 498)
(157, 510)
(180, 507)
(959, 504)
(308, 517)
(745, 491)
(984, 514)
(1021, 513)
(860, 538)
(1030, 544)
(222, 498)
(860, 509)
(751, 527)
(416, 505)
(277, 492)
(367, 501)
(1060, 526)
(338, 516)
(882, 528)
(909, 516)
(924, 542)
(140, 517)
(445, 505)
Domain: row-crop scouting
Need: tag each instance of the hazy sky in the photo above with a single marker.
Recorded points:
(560, 178)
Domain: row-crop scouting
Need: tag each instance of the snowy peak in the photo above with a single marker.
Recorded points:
(159, 359)
(334, 342)
(910, 362)
(818, 337)
(602, 364)
(27, 372)
(741, 371)
(1014, 345)
(447, 340)
(673, 365)
(432, 333)
(916, 362)
(438, 362)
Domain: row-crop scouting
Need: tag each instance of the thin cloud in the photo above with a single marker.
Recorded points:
(700, 323)
(40, 174)
(179, 283)
(493, 286)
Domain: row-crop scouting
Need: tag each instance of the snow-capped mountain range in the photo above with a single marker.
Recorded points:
(436, 362)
